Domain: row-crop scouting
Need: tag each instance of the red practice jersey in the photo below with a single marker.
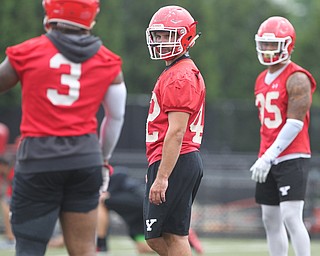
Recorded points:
(272, 102)
(179, 88)
(60, 96)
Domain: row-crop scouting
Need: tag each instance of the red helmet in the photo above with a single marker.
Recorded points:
(278, 33)
(78, 13)
(182, 32)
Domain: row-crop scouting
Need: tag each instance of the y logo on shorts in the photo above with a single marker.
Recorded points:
(284, 190)
(149, 223)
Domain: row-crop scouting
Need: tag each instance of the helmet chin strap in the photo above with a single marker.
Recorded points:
(46, 24)
(286, 60)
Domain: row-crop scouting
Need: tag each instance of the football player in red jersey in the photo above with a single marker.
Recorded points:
(65, 75)
(283, 95)
(174, 131)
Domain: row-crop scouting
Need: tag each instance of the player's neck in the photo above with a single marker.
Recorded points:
(174, 61)
(275, 68)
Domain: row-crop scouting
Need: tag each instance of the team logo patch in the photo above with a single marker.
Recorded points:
(284, 190)
(149, 223)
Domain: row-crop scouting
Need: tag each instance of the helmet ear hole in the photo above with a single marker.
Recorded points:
(187, 42)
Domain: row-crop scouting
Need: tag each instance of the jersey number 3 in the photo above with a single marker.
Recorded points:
(71, 80)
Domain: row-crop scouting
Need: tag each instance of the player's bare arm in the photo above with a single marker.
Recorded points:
(8, 76)
(171, 149)
(299, 96)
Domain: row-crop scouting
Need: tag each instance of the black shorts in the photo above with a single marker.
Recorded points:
(37, 194)
(286, 181)
(174, 215)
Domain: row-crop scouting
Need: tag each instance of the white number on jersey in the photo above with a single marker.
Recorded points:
(266, 104)
(71, 80)
(156, 111)
(195, 126)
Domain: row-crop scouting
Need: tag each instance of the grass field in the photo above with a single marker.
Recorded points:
(122, 246)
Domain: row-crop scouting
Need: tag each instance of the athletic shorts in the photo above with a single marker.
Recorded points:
(174, 215)
(286, 181)
(37, 194)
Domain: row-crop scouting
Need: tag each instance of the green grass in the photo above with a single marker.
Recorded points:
(123, 246)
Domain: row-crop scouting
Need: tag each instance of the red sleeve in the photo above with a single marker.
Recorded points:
(182, 92)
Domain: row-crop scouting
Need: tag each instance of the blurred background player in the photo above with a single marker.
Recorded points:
(4, 137)
(283, 96)
(174, 132)
(125, 197)
(65, 75)
(6, 176)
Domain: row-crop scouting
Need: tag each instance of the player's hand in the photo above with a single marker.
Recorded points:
(103, 197)
(107, 171)
(261, 168)
(157, 194)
